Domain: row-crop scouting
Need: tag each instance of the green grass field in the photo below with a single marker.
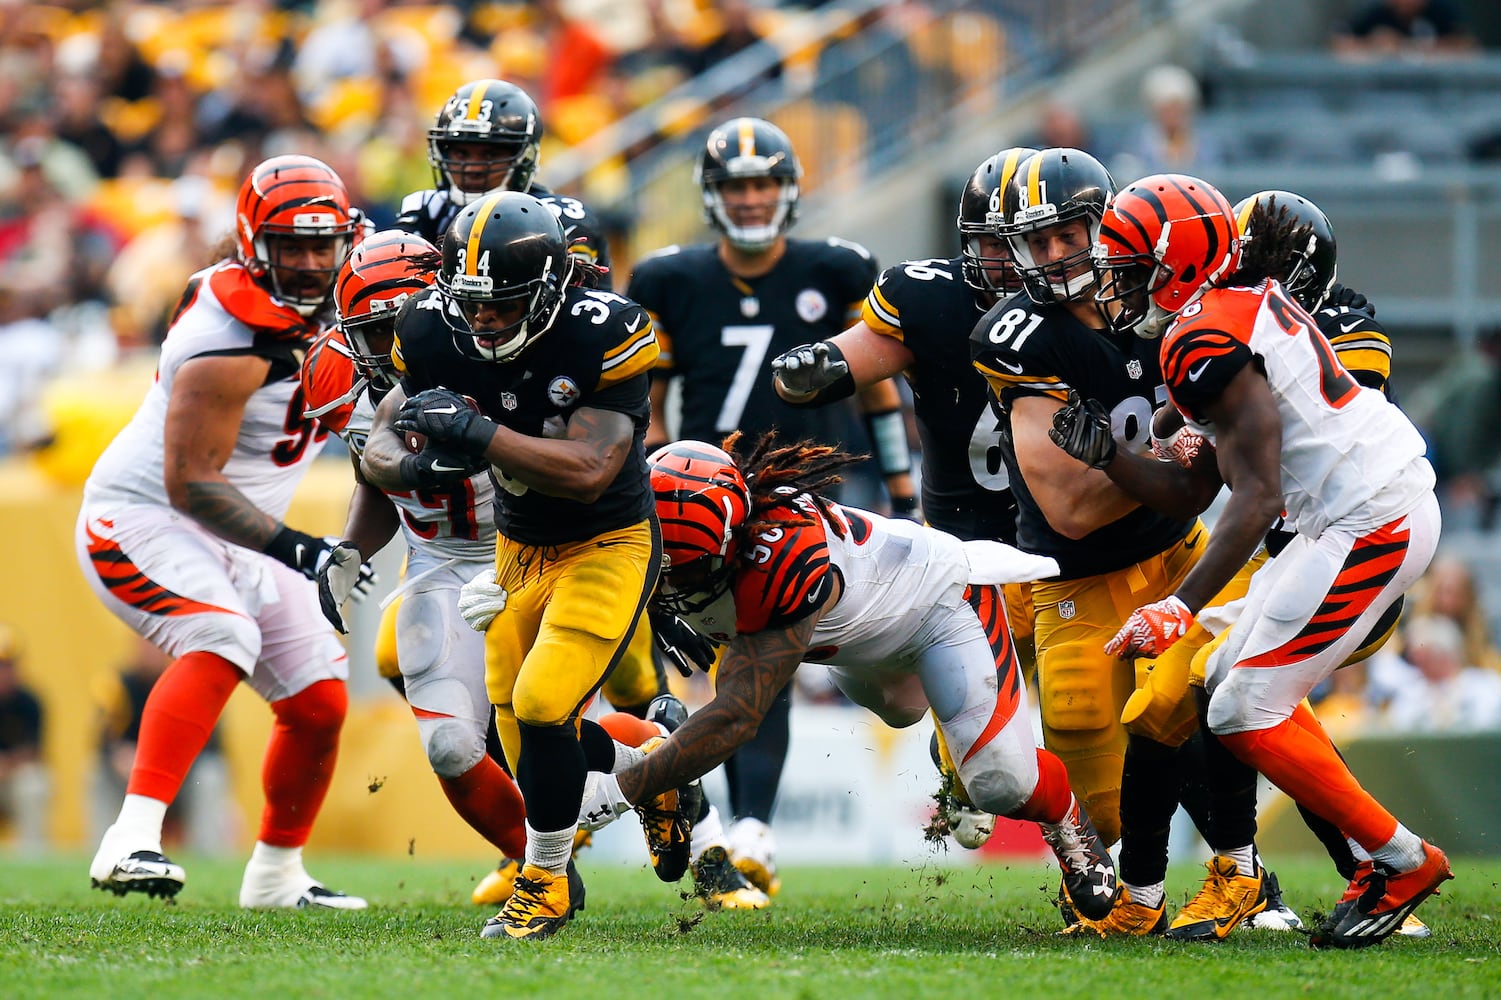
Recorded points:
(951, 932)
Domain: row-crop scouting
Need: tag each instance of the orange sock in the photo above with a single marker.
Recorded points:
(628, 729)
(489, 801)
(1303, 764)
(300, 761)
(180, 714)
(1050, 799)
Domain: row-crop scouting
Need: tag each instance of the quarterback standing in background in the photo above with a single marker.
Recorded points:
(723, 311)
(509, 362)
(181, 536)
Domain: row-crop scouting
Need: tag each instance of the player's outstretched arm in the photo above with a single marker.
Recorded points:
(384, 448)
(814, 375)
(754, 670)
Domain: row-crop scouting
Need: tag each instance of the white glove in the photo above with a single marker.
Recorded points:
(480, 600)
(342, 575)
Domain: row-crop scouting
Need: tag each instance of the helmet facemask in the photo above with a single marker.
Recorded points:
(1050, 281)
(517, 156)
(534, 305)
(370, 340)
(308, 290)
(751, 239)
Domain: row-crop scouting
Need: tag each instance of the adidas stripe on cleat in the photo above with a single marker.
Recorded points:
(1379, 900)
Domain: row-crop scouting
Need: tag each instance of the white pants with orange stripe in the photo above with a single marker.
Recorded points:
(961, 663)
(1308, 609)
(187, 590)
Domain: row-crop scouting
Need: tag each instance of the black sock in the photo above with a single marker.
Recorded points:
(1149, 797)
(599, 746)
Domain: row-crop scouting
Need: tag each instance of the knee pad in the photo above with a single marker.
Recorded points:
(387, 663)
(425, 643)
(321, 705)
(998, 792)
(453, 745)
(1077, 686)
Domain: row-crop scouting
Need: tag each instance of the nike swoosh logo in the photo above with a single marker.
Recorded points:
(634, 324)
(1013, 369)
(450, 408)
(1347, 327)
(605, 545)
(440, 467)
(1194, 373)
(297, 551)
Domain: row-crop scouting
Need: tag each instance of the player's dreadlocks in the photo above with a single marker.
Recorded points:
(1275, 236)
(774, 471)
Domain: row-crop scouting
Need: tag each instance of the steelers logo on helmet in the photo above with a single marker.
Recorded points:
(982, 220)
(1052, 208)
(294, 228)
(506, 270)
(1314, 268)
(702, 500)
(744, 149)
(486, 138)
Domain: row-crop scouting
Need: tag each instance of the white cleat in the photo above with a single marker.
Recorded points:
(142, 871)
(264, 888)
(970, 827)
(753, 850)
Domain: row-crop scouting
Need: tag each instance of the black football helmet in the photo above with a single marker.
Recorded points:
(1056, 186)
(505, 270)
(497, 114)
(1313, 269)
(748, 147)
(980, 215)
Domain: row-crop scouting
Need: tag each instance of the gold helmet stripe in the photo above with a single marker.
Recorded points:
(482, 215)
(1243, 220)
(477, 101)
(1034, 180)
(1008, 166)
(747, 138)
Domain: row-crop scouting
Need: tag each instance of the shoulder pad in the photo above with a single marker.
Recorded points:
(835, 241)
(328, 376)
(250, 304)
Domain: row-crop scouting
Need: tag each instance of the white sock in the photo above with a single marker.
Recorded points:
(266, 856)
(550, 850)
(1149, 896)
(143, 816)
(708, 832)
(1358, 851)
(1244, 858)
(626, 757)
(603, 803)
(1403, 852)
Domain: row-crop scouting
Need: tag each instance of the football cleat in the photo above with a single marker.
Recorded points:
(1225, 899)
(1088, 873)
(1277, 916)
(495, 888)
(667, 821)
(970, 827)
(290, 888)
(721, 886)
(1378, 901)
(318, 898)
(1125, 919)
(142, 871)
(1414, 928)
(542, 903)
(753, 849)
(667, 711)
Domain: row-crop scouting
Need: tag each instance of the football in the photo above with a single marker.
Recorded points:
(415, 442)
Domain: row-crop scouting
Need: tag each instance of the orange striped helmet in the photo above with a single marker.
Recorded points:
(1163, 241)
(384, 271)
(702, 500)
(299, 198)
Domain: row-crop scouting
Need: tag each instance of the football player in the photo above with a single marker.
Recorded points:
(181, 536)
(1249, 371)
(723, 311)
(509, 361)
(487, 138)
(916, 322)
(760, 562)
(1034, 349)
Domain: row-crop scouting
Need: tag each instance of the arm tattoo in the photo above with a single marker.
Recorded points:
(228, 513)
(754, 671)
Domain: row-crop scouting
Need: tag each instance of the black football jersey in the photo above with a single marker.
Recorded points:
(720, 332)
(598, 354)
(1024, 349)
(966, 488)
(1361, 343)
(428, 213)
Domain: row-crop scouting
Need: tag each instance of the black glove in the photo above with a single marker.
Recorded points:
(303, 552)
(906, 507)
(444, 416)
(810, 368)
(436, 466)
(341, 576)
(683, 646)
(1082, 428)
(1343, 295)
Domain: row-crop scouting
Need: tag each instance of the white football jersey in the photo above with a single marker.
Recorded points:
(275, 443)
(1348, 454)
(457, 521)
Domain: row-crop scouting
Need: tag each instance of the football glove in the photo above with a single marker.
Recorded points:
(1082, 428)
(436, 466)
(447, 417)
(300, 551)
(342, 575)
(480, 600)
(817, 371)
(681, 644)
(1151, 629)
(1343, 295)
(1182, 446)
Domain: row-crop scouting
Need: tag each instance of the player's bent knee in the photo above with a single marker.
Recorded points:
(996, 791)
(320, 706)
(453, 746)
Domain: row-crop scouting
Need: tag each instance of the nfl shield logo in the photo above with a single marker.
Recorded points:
(1066, 609)
(1133, 368)
(508, 400)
